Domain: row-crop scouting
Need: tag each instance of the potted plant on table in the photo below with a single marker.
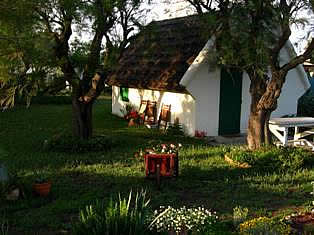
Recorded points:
(42, 185)
(162, 158)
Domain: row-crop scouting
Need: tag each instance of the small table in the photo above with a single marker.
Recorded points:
(161, 165)
(283, 125)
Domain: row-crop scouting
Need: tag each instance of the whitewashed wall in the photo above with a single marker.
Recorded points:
(182, 105)
(205, 88)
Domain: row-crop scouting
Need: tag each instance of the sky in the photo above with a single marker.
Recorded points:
(163, 11)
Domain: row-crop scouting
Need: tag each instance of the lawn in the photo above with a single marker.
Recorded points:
(79, 179)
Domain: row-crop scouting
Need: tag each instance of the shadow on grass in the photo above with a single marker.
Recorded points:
(219, 187)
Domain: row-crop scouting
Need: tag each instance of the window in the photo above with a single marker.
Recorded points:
(124, 93)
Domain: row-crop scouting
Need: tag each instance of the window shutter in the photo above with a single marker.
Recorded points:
(124, 93)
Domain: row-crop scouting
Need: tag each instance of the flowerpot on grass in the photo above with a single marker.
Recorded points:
(303, 223)
(42, 188)
(132, 122)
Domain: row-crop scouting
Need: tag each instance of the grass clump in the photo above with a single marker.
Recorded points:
(282, 159)
(124, 216)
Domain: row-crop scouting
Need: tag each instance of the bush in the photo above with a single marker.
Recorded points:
(125, 216)
(239, 215)
(175, 129)
(273, 158)
(306, 104)
(69, 144)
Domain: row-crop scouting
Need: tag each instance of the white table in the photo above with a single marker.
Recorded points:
(277, 125)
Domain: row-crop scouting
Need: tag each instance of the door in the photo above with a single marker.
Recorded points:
(230, 102)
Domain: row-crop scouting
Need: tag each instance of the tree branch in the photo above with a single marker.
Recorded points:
(45, 17)
(300, 59)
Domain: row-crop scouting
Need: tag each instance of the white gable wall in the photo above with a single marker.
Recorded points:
(182, 105)
(205, 88)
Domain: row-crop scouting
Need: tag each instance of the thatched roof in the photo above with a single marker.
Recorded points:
(160, 55)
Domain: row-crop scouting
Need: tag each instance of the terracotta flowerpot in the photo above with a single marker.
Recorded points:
(42, 189)
(304, 223)
(131, 122)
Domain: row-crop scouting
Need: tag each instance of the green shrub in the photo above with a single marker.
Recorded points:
(239, 215)
(273, 158)
(175, 130)
(126, 216)
(69, 144)
(306, 104)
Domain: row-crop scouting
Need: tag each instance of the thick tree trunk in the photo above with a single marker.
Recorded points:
(264, 100)
(256, 135)
(82, 119)
(257, 118)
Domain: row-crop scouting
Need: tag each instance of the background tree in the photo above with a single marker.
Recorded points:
(37, 35)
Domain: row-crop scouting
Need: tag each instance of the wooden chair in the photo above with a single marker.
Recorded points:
(142, 110)
(142, 106)
(150, 112)
(164, 116)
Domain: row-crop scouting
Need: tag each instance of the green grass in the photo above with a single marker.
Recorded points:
(78, 179)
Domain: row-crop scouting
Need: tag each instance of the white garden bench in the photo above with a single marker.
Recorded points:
(280, 126)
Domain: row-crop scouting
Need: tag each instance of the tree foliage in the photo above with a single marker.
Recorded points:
(39, 53)
(37, 41)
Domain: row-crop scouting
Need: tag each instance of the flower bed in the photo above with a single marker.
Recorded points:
(264, 225)
(181, 220)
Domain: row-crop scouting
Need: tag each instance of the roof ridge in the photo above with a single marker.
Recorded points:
(174, 20)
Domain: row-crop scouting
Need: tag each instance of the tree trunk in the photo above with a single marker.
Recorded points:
(256, 135)
(264, 101)
(257, 118)
(267, 134)
(82, 119)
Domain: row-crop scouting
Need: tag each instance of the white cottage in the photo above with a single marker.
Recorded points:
(167, 62)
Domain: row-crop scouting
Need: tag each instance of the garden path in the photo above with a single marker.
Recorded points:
(227, 140)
